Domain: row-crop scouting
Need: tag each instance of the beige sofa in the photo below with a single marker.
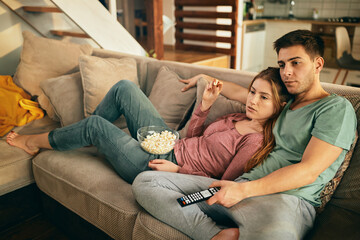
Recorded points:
(82, 180)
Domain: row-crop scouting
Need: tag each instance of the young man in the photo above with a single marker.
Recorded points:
(275, 200)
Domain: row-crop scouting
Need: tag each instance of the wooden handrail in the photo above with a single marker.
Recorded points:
(205, 3)
(69, 33)
(41, 9)
(204, 14)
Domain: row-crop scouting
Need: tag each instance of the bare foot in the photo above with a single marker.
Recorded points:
(21, 141)
(227, 234)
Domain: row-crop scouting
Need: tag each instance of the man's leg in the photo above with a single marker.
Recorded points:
(157, 193)
(274, 216)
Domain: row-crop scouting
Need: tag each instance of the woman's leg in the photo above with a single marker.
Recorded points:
(157, 193)
(125, 98)
(121, 150)
(29, 143)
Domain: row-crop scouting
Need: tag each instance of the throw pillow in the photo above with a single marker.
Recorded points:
(100, 74)
(167, 98)
(66, 97)
(344, 184)
(221, 107)
(43, 58)
(331, 186)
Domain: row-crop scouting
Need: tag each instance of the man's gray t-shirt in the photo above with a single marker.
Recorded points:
(331, 119)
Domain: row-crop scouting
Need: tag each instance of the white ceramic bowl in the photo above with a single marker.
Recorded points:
(157, 139)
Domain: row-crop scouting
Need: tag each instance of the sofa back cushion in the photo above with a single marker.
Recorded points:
(187, 71)
(66, 97)
(43, 58)
(141, 65)
(166, 96)
(100, 74)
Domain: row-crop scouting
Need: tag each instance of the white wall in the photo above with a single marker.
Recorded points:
(304, 8)
(169, 11)
(11, 27)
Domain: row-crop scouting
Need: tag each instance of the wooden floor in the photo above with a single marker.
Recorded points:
(22, 218)
(194, 57)
(36, 228)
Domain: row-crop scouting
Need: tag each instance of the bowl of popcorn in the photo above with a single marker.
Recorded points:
(157, 139)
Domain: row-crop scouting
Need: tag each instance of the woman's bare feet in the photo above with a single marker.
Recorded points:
(227, 234)
(21, 141)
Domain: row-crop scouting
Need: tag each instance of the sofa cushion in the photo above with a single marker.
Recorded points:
(15, 164)
(100, 74)
(43, 58)
(15, 168)
(172, 104)
(147, 227)
(85, 183)
(66, 97)
(221, 107)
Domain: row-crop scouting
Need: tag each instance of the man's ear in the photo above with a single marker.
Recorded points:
(283, 104)
(319, 64)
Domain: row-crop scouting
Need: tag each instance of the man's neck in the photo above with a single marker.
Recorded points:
(314, 94)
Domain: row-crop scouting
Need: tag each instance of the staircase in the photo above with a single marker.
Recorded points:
(73, 20)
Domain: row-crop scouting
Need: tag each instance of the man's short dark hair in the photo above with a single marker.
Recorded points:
(312, 43)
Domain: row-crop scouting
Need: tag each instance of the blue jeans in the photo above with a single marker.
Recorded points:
(121, 150)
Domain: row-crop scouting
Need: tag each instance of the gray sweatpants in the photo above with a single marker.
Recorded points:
(275, 216)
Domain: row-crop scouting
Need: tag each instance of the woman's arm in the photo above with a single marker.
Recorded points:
(318, 156)
(196, 126)
(230, 90)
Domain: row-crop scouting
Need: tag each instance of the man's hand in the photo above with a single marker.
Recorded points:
(230, 193)
(163, 165)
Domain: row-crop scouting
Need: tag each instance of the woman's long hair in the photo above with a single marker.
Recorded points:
(280, 95)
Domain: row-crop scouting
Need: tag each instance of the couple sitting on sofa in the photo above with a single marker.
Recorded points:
(293, 152)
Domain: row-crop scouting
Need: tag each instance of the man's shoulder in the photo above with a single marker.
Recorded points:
(336, 101)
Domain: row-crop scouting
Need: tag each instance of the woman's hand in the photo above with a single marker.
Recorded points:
(163, 165)
(210, 94)
(230, 193)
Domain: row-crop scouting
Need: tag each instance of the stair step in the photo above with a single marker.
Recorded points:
(41, 9)
(69, 33)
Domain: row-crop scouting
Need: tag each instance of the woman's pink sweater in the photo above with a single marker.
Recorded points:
(217, 150)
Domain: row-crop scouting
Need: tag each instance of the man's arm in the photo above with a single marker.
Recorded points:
(318, 156)
(230, 90)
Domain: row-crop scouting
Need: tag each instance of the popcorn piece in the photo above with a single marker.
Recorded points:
(159, 143)
(216, 82)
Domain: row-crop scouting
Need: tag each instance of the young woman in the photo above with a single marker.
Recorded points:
(228, 143)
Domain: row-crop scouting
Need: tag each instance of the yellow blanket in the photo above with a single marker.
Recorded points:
(16, 108)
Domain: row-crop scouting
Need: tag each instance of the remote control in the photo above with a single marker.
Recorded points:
(197, 196)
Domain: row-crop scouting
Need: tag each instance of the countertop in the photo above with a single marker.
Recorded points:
(305, 20)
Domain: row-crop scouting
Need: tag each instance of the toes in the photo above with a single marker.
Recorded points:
(12, 135)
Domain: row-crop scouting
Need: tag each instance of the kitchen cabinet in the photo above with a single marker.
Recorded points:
(276, 29)
(253, 47)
